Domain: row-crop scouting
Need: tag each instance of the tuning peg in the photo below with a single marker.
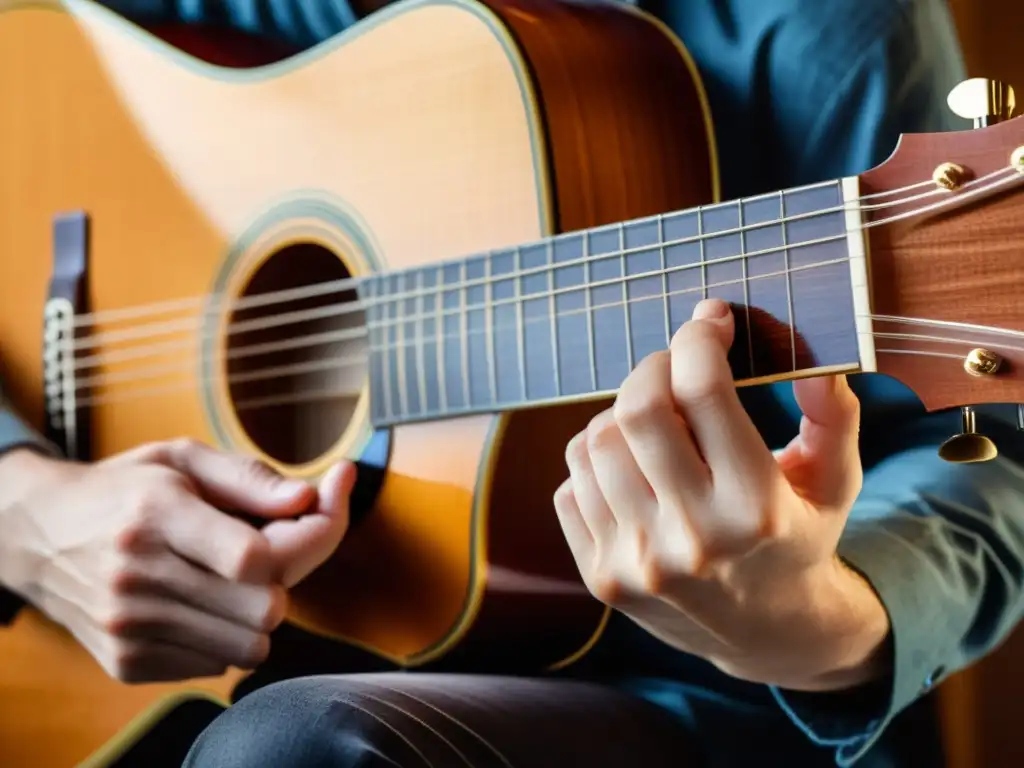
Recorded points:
(968, 447)
(983, 101)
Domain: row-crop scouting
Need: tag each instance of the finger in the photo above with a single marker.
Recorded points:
(624, 487)
(151, 661)
(259, 607)
(165, 621)
(214, 540)
(823, 462)
(235, 482)
(162, 663)
(705, 391)
(574, 528)
(592, 505)
(299, 546)
(658, 437)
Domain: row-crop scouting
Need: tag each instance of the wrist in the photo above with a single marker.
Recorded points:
(853, 630)
(22, 472)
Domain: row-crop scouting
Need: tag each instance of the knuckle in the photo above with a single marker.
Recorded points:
(128, 578)
(255, 652)
(606, 589)
(601, 430)
(128, 663)
(147, 453)
(576, 450)
(701, 387)
(256, 471)
(119, 619)
(653, 577)
(251, 559)
(693, 333)
(639, 412)
(564, 495)
(276, 609)
(139, 532)
(181, 447)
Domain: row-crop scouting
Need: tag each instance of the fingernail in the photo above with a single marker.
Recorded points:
(710, 309)
(290, 487)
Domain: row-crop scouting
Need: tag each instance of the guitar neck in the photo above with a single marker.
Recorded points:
(568, 317)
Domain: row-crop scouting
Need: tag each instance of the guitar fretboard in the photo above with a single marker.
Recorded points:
(570, 316)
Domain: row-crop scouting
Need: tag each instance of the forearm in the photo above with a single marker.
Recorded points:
(26, 457)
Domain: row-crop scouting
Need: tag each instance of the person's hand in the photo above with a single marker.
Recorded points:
(679, 516)
(139, 557)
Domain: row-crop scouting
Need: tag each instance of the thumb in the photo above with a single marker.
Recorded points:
(238, 483)
(301, 545)
(823, 462)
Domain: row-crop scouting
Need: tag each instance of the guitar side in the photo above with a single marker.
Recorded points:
(194, 177)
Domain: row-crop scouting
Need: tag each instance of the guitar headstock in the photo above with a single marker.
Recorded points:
(945, 218)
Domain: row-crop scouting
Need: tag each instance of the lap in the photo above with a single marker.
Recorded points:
(409, 720)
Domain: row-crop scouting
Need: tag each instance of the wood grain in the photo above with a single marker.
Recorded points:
(962, 266)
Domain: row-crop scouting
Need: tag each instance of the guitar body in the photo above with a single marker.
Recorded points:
(430, 131)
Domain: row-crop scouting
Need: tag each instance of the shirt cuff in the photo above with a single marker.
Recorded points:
(853, 721)
(15, 433)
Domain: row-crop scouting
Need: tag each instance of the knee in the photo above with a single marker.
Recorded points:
(307, 723)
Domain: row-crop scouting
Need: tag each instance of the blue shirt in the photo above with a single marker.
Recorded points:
(802, 91)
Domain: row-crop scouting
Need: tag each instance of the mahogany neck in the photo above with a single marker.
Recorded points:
(570, 316)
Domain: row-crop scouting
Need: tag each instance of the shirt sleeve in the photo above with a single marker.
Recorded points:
(942, 545)
(296, 23)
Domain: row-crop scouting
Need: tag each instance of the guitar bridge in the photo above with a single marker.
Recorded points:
(67, 420)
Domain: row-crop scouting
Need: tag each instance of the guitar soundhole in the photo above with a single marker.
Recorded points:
(297, 354)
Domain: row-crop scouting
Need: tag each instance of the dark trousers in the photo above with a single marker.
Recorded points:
(402, 720)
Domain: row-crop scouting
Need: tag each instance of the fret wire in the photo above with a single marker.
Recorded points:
(442, 380)
(403, 379)
(625, 297)
(491, 363)
(552, 310)
(590, 314)
(686, 291)
(655, 273)
(664, 281)
(385, 351)
(421, 372)
(464, 334)
(520, 324)
(789, 282)
(703, 260)
(746, 288)
(526, 401)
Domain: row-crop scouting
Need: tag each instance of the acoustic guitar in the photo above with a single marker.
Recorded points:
(436, 245)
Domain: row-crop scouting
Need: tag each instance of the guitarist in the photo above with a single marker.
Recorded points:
(777, 607)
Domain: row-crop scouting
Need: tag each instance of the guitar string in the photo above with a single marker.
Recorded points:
(349, 283)
(195, 323)
(144, 372)
(356, 361)
(335, 310)
(331, 394)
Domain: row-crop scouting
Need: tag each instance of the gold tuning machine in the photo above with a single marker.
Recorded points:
(983, 101)
(968, 447)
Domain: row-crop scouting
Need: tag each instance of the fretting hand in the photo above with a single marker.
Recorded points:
(136, 557)
(679, 516)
